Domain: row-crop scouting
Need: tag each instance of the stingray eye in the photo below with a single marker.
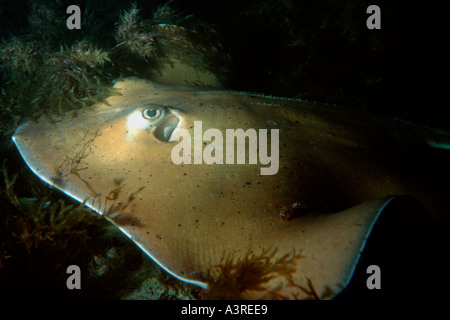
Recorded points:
(151, 114)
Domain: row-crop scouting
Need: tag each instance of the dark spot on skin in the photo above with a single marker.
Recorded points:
(179, 224)
(193, 208)
(196, 220)
(185, 174)
(158, 237)
(248, 183)
(148, 232)
(124, 219)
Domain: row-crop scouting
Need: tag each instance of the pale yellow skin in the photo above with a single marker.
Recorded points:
(187, 216)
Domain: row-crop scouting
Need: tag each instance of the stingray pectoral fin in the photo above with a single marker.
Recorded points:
(403, 249)
(369, 213)
(344, 237)
(331, 247)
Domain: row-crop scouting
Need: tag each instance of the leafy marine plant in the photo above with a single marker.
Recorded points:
(139, 36)
(20, 59)
(48, 70)
(72, 78)
(39, 81)
(134, 34)
(232, 278)
(20, 54)
(39, 238)
(168, 36)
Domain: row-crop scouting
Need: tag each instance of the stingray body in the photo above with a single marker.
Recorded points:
(333, 181)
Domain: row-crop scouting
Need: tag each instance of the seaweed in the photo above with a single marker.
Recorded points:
(40, 220)
(20, 59)
(42, 82)
(39, 238)
(21, 55)
(141, 36)
(168, 35)
(71, 79)
(49, 70)
(135, 35)
(232, 278)
(311, 292)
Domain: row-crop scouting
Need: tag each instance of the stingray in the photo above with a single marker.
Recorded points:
(333, 181)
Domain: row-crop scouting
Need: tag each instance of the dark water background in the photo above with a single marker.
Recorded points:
(317, 50)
